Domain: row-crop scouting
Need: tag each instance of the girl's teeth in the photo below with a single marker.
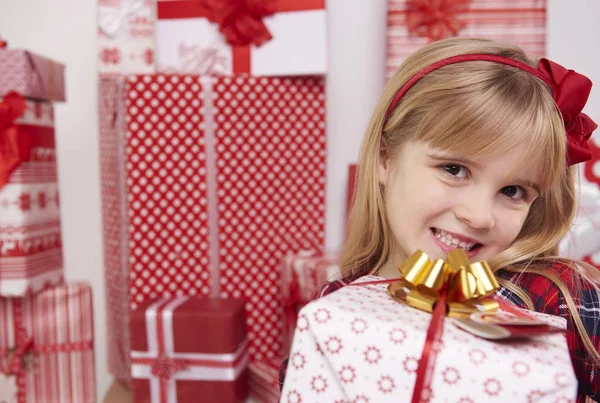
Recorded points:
(451, 241)
(462, 245)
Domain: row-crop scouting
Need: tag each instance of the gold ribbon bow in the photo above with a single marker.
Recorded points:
(467, 286)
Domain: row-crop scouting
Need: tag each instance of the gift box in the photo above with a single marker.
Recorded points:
(359, 344)
(303, 275)
(126, 36)
(411, 24)
(263, 38)
(30, 235)
(263, 380)
(46, 346)
(31, 75)
(206, 184)
(184, 348)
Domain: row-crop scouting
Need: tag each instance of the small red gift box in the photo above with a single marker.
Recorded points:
(30, 234)
(185, 348)
(31, 75)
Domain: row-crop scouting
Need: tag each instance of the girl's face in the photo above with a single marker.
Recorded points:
(437, 201)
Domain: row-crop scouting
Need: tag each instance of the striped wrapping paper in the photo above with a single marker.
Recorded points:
(57, 324)
(30, 234)
(521, 22)
(263, 380)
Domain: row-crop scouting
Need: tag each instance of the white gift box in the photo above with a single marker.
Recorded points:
(360, 345)
(186, 41)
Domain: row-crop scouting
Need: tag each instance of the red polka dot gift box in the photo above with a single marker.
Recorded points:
(186, 349)
(206, 184)
(30, 235)
(360, 345)
(412, 24)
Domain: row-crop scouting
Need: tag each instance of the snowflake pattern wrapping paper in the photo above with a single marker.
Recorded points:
(209, 182)
(30, 234)
(359, 345)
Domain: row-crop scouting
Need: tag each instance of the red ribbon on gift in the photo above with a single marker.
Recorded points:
(435, 19)
(240, 21)
(13, 148)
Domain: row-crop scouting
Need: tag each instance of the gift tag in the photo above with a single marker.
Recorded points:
(8, 389)
(505, 325)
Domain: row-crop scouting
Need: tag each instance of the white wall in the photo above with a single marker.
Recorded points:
(65, 30)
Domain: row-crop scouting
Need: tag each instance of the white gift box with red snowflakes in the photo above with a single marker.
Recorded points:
(360, 345)
(30, 235)
(126, 36)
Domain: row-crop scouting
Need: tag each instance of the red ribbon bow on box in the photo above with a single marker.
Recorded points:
(13, 148)
(435, 19)
(240, 21)
(570, 91)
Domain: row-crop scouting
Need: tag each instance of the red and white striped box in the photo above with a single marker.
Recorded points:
(125, 36)
(31, 75)
(187, 348)
(206, 184)
(46, 341)
(30, 235)
(303, 274)
(411, 24)
(263, 380)
(262, 38)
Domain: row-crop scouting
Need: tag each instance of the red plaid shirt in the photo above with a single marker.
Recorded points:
(546, 298)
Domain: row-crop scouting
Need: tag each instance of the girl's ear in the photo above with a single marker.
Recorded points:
(383, 163)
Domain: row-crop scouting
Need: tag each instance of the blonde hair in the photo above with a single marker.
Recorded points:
(482, 109)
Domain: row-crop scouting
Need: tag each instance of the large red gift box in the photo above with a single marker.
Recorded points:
(206, 184)
(30, 235)
(31, 75)
(47, 346)
(411, 24)
(185, 348)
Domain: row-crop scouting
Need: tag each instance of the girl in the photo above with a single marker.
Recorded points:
(474, 146)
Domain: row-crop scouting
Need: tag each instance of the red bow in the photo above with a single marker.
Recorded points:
(570, 91)
(435, 19)
(11, 151)
(165, 367)
(240, 21)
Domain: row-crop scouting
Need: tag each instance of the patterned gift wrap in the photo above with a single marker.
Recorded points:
(358, 344)
(30, 234)
(411, 24)
(47, 346)
(207, 184)
(31, 75)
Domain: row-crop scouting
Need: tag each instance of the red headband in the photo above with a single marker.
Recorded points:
(570, 91)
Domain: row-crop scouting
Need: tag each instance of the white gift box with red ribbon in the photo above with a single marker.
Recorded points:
(359, 344)
(187, 41)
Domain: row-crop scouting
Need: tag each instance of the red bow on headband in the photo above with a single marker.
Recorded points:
(570, 92)
(240, 21)
(11, 153)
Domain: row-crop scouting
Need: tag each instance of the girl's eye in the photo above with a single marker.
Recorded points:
(515, 192)
(458, 171)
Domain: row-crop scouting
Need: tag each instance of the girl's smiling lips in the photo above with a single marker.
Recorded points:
(470, 245)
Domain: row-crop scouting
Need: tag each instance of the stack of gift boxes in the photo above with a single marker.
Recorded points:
(213, 169)
(46, 324)
(213, 151)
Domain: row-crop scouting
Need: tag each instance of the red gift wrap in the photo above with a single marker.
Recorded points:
(206, 184)
(186, 348)
(30, 235)
(31, 75)
(46, 346)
